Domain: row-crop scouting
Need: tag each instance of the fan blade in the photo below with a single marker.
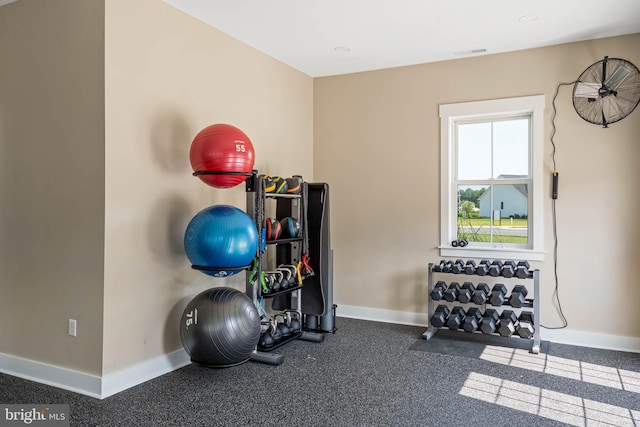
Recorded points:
(587, 90)
(604, 70)
(619, 75)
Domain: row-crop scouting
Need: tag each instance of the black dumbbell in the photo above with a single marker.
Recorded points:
(518, 295)
(458, 266)
(525, 326)
(451, 294)
(509, 268)
(472, 320)
(438, 290)
(508, 323)
(470, 267)
(439, 318)
(437, 267)
(483, 268)
(489, 321)
(522, 270)
(466, 292)
(448, 265)
(495, 268)
(456, 318)
(481, 294)
(498, 294)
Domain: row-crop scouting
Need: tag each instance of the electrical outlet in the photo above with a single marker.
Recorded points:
(72, 327)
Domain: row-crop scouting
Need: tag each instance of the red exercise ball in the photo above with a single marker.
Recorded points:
(221, 148)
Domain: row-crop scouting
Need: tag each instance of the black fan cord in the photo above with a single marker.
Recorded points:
(553, 209)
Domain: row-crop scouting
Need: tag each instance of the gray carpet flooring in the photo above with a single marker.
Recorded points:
(374, 374)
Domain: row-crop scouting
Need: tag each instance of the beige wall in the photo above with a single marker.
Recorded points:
(377, 142)
(167, 77)
(52, 181)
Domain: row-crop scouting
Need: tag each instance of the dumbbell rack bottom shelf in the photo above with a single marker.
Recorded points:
(282, 342)
(535, 304)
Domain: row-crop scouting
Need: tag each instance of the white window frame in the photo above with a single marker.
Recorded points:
(488, 110)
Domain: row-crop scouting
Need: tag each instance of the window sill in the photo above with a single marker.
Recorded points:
(493, 253)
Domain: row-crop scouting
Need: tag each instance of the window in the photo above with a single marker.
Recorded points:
(492, 178)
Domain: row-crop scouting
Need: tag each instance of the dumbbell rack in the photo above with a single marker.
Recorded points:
(530, 303)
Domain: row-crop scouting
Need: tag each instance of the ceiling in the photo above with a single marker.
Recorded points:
(329, 37)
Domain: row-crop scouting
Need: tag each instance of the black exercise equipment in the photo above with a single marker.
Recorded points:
(317, 293)
(495, 268)
(483, 267)
(451, 294)
(456, 318)
(439, 318)
(522, 270)
(489, 321)
(466, 292)
(457, 267)
(448, 265)
(470, 267)
(508, 323)
(525, 326)
(439, 266)
(481, 294)
(518, 295)
(498, 294)
(472, 320)
(509, 269)
(438, 290)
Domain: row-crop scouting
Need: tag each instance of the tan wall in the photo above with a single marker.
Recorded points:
(168, 76)
(52, 181)
(377, 142)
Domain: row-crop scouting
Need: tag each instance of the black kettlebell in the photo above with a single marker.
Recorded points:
(295, 325)
(266, 340)
(283, 325)
(277, 335)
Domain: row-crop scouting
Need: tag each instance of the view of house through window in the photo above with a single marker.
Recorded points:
(492, 178)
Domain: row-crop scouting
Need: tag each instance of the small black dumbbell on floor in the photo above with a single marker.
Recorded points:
(455, 319)
(495, 268)
(523, 270)
(498, 294)
(470, 267)
(466, 292)
(451, 294)
(508, 323)
(483, 267)
(438, 290)
(525, 325)
(481, 294)
(472, 320)
(457, 267)
(518, 295)
(439, 318)
(489, 321)
(509, 268)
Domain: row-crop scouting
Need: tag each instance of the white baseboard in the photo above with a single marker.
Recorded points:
(55, 376)
(148, 370)
(92, 385)
(561, 336)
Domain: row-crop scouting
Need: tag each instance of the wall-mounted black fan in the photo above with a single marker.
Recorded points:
(607, 91)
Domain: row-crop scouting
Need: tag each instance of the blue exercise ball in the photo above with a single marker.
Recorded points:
(222, 238)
